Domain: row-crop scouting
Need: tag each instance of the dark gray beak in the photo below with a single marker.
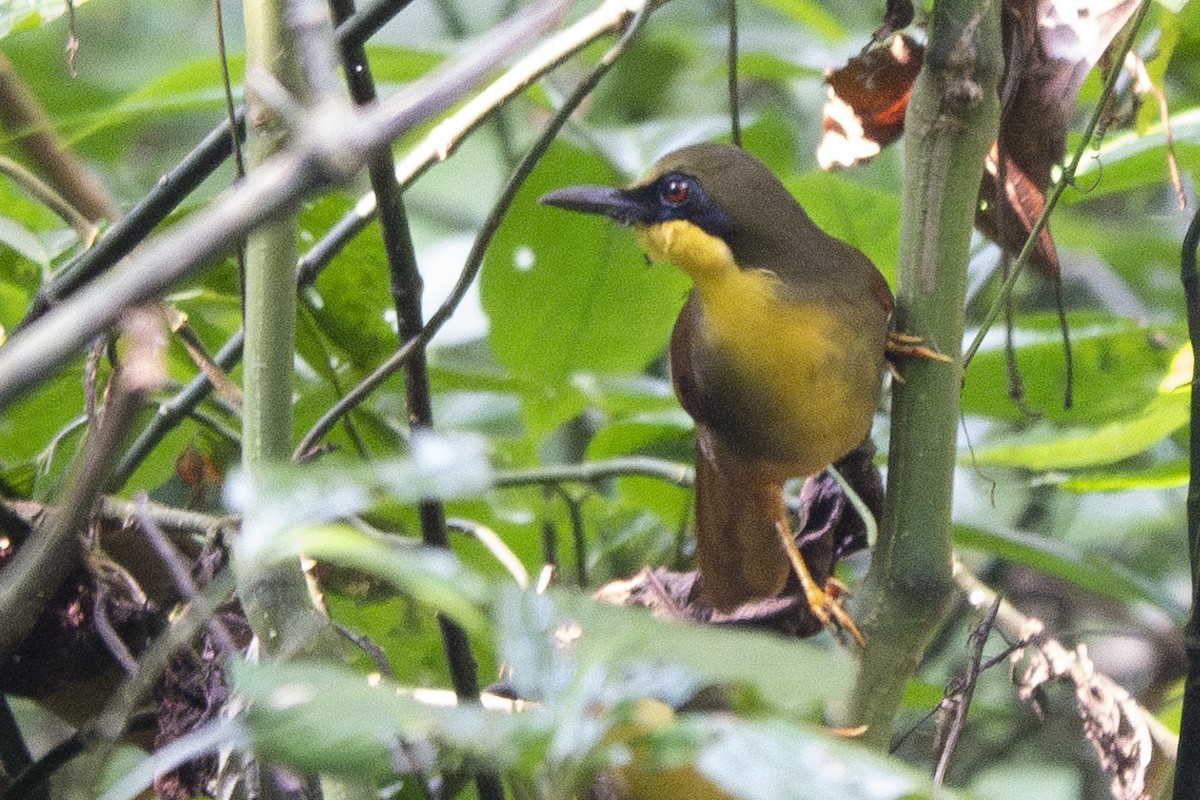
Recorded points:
(611, 202)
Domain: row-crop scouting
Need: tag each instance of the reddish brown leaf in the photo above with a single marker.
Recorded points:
(867, 101)
(1022, 205)
(1050, 47)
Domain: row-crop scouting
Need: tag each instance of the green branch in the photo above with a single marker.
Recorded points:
(952, 121)
(276, 598)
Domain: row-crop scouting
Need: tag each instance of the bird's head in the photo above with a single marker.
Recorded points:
(703, 208)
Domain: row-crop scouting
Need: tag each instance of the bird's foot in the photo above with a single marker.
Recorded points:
(909, 346)
(826, 605)
(825, 602)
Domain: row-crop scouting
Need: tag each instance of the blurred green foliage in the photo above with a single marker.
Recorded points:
(558, 358)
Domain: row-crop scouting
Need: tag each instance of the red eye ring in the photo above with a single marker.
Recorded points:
(675, 191)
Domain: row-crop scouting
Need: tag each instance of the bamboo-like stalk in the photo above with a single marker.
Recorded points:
(276, 597)
(952, 121)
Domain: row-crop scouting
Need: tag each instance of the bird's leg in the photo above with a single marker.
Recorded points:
(909, 346)
(822, 601)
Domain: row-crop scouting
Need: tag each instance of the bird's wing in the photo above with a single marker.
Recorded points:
(689, 385)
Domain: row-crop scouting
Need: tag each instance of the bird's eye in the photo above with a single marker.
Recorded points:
(675, 191)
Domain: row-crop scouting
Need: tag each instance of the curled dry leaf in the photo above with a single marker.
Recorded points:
(867, 101)
(1050, 47)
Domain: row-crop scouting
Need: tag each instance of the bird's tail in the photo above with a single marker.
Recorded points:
(737, 509)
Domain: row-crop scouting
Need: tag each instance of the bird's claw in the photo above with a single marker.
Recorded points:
(909, 346)
(826, 605)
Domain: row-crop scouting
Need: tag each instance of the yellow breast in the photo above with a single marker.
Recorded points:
(805, 381)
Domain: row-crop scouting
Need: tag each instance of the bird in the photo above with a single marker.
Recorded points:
(778, 355)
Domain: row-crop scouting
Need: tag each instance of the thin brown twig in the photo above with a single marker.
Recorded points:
(323, 156)
(1062, 662)
(235, 142)
(443, 139)
(24, 119)
(108, 634)
(42, 564)
(177, 566)
(966, 690)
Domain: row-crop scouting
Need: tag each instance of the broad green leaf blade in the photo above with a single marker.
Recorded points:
(795, 676)
(1044, 448)
(765, 66)
(23, 15)
(192, 86)
(329, 719)
(810, 15)
(23, 241)
(282, 499)
(430, 576)
(436, 466)
(396, 64)
(865, 217)
(569, 293)
(351, 300)
(1093, 573)
(1136, 160)
(775, 760)
(1118, 365)
(1170, 475)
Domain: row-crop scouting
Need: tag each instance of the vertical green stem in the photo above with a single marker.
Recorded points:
(275, 598)
(952, 121)
(270, 253)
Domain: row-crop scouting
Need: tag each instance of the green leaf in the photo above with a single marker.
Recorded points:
(325, 718)
(791, 762)
(627, 95)
(638, 433)
(1156, 65)
(42, 426)
(810, 15)
(1118, 365)
(1094, 573)
(395, 64)
(1135, 160)
(570, 293)
(191, 86)
(1045, 448)
(284, 496)
(22, 240)
(765, 66)
(352, 298)
(794, 676)
(1170, 475)
(428, 575)
(24, 15)
(772, 140)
